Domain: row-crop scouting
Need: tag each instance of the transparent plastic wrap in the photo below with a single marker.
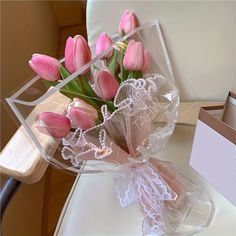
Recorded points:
(127, 141)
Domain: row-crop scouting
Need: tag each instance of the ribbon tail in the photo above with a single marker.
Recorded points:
(153, 192)
(125, 187)
(141, 183)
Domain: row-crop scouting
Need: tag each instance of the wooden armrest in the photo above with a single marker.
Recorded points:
(21, 160)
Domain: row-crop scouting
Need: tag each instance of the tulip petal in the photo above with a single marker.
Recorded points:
(82, 118)
(106, 85)
(53, 124)
(45, 66)
(77, 102)
(82, 114)
(134, 56)
(103, 43)
(69, 52)
(82, 53)
(128, 22)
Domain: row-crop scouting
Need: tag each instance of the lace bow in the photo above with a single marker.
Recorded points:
(141, 183)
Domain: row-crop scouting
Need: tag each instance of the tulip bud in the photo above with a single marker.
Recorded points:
(106, 85)
(77, 53)
(134, 56)
(81, 114)
(46, 67)
(128, 22)
(53, 124)
(103, 43)
(146, 64)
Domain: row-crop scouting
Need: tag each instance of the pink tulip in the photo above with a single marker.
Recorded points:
(46, 67)
(106, 85)
(146, 64)
(128, 22)
(77, 53)
(53, 124)
(134, 56)
(103, 43)
(82, 114)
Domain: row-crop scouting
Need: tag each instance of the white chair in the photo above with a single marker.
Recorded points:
(200, 41)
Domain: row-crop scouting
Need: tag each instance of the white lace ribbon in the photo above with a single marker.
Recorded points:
(141, 183)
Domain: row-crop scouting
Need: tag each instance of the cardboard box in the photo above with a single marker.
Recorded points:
(229, 114)
(214, 147)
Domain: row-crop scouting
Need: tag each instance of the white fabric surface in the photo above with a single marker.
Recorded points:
(93, 208)
(200, 37)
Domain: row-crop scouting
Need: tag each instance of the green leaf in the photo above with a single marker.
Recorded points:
(86, 86)
(122, 33)
(110, 106)
(138, 74)
(64, 73)
(131, 75)
(121, 75)
(99, 120)
(123, 72)
(95, 67)
(75, 94)
(112, 64)
(87, 89)
(50, 83)
(72, 85)
(105, 62)
(135, 74)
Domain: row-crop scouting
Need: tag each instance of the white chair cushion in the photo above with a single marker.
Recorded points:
(93, 208)
(200, 38)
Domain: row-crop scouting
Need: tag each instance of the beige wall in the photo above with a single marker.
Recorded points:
(26, 27)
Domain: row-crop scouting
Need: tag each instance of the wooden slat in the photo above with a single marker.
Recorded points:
(21, 160)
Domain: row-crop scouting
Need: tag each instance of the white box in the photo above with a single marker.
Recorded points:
(214, 150)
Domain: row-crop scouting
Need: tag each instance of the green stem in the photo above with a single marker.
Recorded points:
(99, 121)
(95, 67)
(122, 69)
(110, 106)
(138, 74)
(112, 64)
(122, 33)
(131, 75)
(105, 62)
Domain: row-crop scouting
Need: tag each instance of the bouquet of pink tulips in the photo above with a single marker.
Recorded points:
(131, 61)
(120, 110)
